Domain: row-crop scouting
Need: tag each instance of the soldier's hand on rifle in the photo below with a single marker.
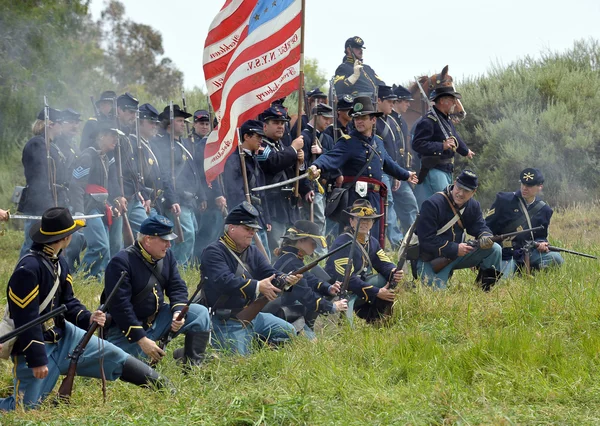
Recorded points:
(316, 149)
(98, 317)
(470, 155)
(313, 173)
(449, 143)
(398, 275)
(335, 288)
(121, 204)
(221, 202)
(203, 205)
(464, 249)
(293, 279)
(267, 289)
(176, 325)
(386, 294)
(151, 349)
(300, 154)
(40, 372)
(542, 247)
(176, 209)
(147, 206)
(298, 143)
(413, 178)
(310, 196)
(485, 242)
(341, 305)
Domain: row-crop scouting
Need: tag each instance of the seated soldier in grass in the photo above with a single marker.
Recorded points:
(523, 209)
(446, 218)
(372, 269)
(235, 274)
(311, 295)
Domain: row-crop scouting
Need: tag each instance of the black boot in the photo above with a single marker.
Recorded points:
(487, 278)
(194, 349)
(141, 374)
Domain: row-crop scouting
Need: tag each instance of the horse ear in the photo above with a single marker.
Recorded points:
(444, 73)
(394, 86)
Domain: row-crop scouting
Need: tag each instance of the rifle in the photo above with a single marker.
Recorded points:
(333, 101)
(140, 149)
(66, 387)
(253, 309)
(256, 238)
(39, 320)
(392, 284)
(96, 110)
(210, 113)
(313, 157)
(176, 221)
(440, 263)
(125, 227)
(168, 336)
(350, 265)
(49, 160)
(534, 244)
(187, 125)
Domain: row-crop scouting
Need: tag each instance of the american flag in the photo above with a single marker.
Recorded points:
(263, 65)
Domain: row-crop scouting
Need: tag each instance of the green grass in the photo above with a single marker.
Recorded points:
(526, 353)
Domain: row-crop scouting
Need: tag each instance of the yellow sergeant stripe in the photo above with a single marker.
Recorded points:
(440, 249)
(21, 303)
(365, 293)
(243, 287)
(177, 304)
(383, 257)
(132, 327)
(340, 265)
(33, 341)
(318, 301)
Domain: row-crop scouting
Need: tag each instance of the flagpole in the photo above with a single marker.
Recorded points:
(300, 93)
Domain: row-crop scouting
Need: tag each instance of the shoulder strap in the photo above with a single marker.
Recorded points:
(534, 211)
(286, 263)
(457, 215)
(525, 218)
(386, 129)
(237, 258)
(365, 255)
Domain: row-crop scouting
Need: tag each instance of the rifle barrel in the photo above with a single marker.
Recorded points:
(40, 320)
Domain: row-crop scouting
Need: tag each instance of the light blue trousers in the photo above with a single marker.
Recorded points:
(435, 181)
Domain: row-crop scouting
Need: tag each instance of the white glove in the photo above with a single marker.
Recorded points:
(356, 75)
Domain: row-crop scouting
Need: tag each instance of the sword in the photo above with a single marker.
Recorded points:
(308, 175)
(29, 217)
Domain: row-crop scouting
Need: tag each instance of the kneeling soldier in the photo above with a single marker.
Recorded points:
(40, 283)
(140, 314)
(523, 209)
(311, 296)
(445, 217)
(372, 269)
(235, 274)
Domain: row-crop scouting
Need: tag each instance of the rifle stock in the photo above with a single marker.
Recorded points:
(66, 388)
(253, 309)
(440, 263)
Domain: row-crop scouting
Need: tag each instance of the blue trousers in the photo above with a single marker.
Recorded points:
(435, 181)
(537, 260)
(97, 254)
(486, 259)
(137, 214)
(30, 392)
(197, 319)
(393, 231)
(210, 228)
(233, 336)
(184, 251)
(406, 206)
(27, 242)
(354, 304)
(115, 236)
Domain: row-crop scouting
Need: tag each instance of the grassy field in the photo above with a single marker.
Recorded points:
(526, 353)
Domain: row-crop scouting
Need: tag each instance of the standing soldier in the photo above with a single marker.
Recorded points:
(279, 164)
(445, 218)
(183, 197)
(140, 314)
(147, 168)
(41, 191)
(40, 283)
(436, 141)
(405, 201)
(251, 134)
(313, 98)
(104, 111)
(344, 107)
(236, 274)
(352, 76)
(362, 159)
(317, 142)
(523, 209)
(89, 191)
(210, 217)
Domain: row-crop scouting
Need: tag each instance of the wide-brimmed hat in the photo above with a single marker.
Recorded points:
(305, 229)
(363, 105)
(56, 224)
(177, 112)
(444, 91)
(362, 209)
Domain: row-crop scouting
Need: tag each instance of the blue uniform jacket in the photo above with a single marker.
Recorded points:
(219, 271)
(91, 168)
(389, 132)
(505, 210)
(129, 170)
(197, 146)
(309, 290)
(365, 85)
(234, 184)
(435, 214)
(428, 139)
(406, 158)
(134, 320)
(151, 170)
(336, 266)
(351, 152)
(28, 287)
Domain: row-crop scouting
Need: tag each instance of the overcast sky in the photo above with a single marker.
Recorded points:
(402, 38)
